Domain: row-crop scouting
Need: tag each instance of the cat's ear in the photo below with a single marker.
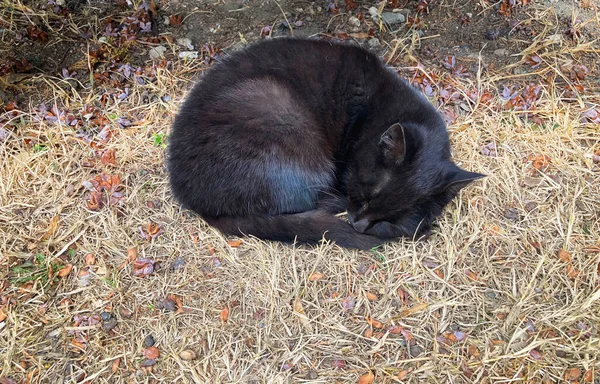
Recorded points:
(393, 144)
(458, 178)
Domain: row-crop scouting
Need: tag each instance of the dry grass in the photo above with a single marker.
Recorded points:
(487, 274)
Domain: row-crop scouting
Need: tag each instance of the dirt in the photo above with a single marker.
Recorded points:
(466, 30)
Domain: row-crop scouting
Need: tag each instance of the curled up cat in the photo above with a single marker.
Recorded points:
(278, 138)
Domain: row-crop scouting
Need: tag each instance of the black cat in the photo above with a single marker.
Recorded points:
(277, 138)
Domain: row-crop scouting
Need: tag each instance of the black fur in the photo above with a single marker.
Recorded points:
(278, 137)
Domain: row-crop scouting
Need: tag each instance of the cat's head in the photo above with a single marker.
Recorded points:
(401, 183)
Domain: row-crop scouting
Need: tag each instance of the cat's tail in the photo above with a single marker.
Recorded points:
(306, 228)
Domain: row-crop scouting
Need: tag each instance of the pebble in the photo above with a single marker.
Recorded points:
(110, 324)
(157, 52)
(354, 21)
(373, 11)
(501, 52)
(148, 341)
(393, 18)
(185, 42)
(105, 316)
(374, 43)
(188, 55)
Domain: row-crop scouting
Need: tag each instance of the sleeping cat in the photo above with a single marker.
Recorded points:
(279, 137)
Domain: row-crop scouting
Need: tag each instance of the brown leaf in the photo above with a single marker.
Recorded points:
(153, 7)
(564, 256)
(143, 266)
(315, 276)
(473, 351)
(414, 309)
(151, 353)
(373, 323)
(64, 271)
(151, 230)
(371, 296)
(175, 20)
(572, 272)
(108, 157)
(2, 315)
(235, 243)
(535, 354)
(588, 377)
(366, 378)
(402, 374)
(572, 374)
(224, 315)
(90, 259)
(368, 333)
(471, 275)
(52, 227)
(115, 365)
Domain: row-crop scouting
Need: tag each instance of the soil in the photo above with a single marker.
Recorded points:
(464, 29)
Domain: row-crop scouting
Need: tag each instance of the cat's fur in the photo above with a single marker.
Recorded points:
(278, 137)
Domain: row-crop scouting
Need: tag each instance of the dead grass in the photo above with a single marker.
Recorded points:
(486, 299)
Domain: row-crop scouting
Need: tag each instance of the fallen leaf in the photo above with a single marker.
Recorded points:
(150, 231)
(339, 364)
(348, 303)
(588, 377)
(108, 157)
(143, 266)
(90, 259)
(64, 271)
(473, 351)
(402, 374)
(151, 353)
(413, 310)
(373, 323)
(371, 296)
(395, 329)
(572, 374)
(115, 365)
(471, 275)
(224, 315)
(2, 315)
(368, 333)
(366, 378)
(535, 354)
(315, 276)
(235, 243)
(52, 227)
(572, 272)
(564, 256)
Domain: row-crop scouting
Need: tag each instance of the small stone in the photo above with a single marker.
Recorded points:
(157, 52)
(185, 42)
(373, 11)
(373, 43)
(166, 21)
(148, 341)
(188, 355)
(105, 316)
(354, 21)
(110, 324)
(501, 52)
(492, 34)
(393, 18)
(148, 362)
(178, 263)
(188, 55)
(168, 305)
(511, 214)
(312, 375)
(530, 206)
(70, 190)
(415, 350)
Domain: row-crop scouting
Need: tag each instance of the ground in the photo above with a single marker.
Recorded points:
(96, 257)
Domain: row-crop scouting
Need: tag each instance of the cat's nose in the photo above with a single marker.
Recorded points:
(361, 225)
